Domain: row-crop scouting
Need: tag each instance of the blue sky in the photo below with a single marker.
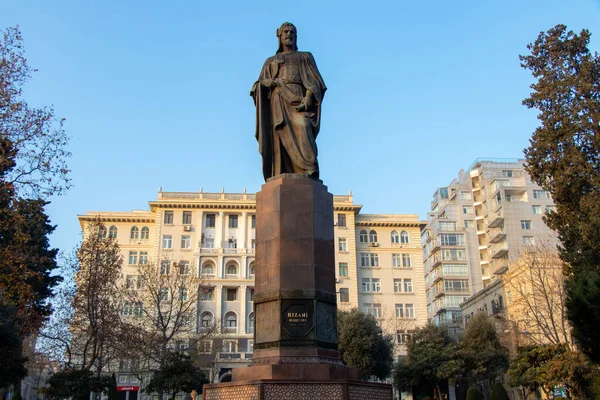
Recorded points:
(155, 93)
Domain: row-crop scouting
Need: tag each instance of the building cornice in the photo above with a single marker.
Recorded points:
(116, 217)
(399, 224)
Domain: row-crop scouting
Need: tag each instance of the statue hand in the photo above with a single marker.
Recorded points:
(269, 83)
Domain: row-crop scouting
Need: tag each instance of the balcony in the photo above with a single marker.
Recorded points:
(230, 356)
(232, 276)
(497, 220)
(500, 270)
(498, 237)
(500, 252)
(233, 251)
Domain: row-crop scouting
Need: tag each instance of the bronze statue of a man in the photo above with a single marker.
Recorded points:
(288, 96)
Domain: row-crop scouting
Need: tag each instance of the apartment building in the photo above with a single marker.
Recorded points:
(212, 236)
(482, 218)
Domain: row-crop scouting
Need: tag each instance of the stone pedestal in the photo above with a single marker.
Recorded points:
(295, 341)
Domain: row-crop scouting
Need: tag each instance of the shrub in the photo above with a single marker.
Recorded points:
(474, 394)
(499, 393)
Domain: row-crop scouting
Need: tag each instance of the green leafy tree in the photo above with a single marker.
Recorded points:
(564, 158)
(547, 366)
(179, 374)
(12, 363)
(363, 345)
(74, 384)
(484, 356)
(431, 359)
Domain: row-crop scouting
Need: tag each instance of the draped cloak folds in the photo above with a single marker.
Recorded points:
(286, 137)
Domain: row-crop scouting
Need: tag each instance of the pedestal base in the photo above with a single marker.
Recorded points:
(266, 389)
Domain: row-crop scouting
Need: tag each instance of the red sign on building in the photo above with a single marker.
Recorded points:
(128, 388)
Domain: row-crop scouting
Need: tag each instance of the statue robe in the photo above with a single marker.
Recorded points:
(286, 137)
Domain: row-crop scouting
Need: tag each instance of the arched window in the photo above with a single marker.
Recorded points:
(230, 322)
(231, 269)
(208, 269)
(252, 269)
(373, 236)
(206, 319)
(395, 237)
(251, 323)
(102, 232)
(363, 237)
(135, 233)
(112, 232)
(145, 233)
(404, 237)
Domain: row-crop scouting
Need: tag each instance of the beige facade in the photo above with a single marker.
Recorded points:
(213, 234)
(476, 224)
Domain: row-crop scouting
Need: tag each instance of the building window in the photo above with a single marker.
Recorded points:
(230, 346)
(230, 320)
(469, 223)
(467, 210)
(404, 237)
(342, 244)
(251, 323)
(143, 257)
(145, 233)
(208, 269)
(528, 240)
(369, 259)
(133, 256)
(184, 267)
(205, 346)
(525, 224)
(186, 242)
(341, 222)
(452, 239)
(165, 267)
(167, 242)
(210, 221)
(134, 233)
(186, 218)
(253, 221)
(373, 236)
(231, 294)
(112, 232)
(465, 195)
(396, 260)
(367, 308)
(208, 243)
(207, 320)
(536, 209)
(163, 294)
(207, 294)
(541, 194)
(376, 286)
(343, 269)
(408, 286)
(397, 285)
(363, 237)
(232, 243)
(233, 221)
(399, 311)
(406, 260)
(183, 294)
(344, 295)
(252, 270)
(231, 269)
(377, 311)
(252, 294)
(102, 232)
(410, 311)
(168, 217)
(395, 237)
(550, 209)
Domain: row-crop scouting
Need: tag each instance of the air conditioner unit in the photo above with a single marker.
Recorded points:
(374, 244)
(187, 228)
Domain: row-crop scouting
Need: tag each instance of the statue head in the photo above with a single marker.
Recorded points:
(286, 34)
